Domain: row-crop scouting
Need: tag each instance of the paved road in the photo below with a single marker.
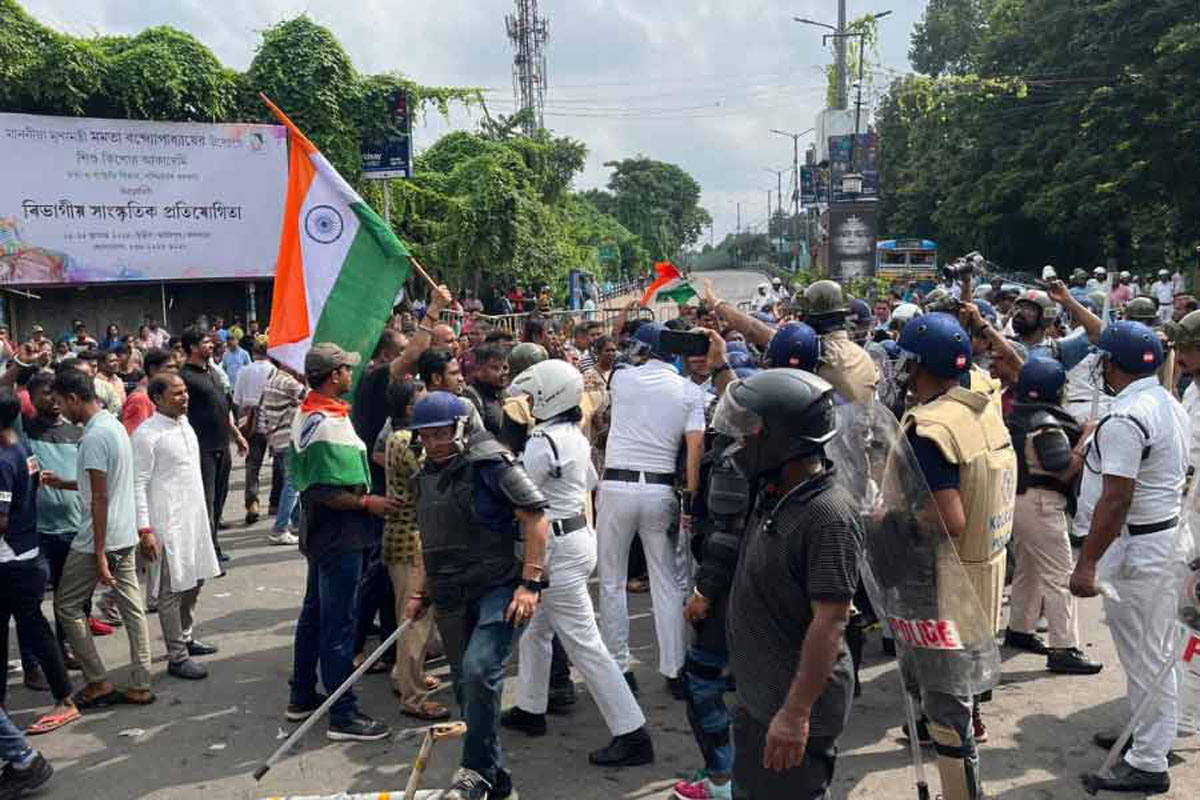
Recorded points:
(203, 740)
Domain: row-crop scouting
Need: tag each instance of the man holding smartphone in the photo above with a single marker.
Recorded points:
(655, 411)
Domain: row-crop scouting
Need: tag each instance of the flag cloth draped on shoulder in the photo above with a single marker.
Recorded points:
(324, 447)
(669, 285)
(339, 266)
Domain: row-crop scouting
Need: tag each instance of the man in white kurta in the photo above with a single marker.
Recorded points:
(169, 492)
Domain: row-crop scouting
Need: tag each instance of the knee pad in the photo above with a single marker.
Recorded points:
(960, 781)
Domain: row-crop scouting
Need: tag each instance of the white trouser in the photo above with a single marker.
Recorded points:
(566, 609)
(1141, 570)
(647, 510)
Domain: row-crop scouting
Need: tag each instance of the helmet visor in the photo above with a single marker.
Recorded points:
(734, 420)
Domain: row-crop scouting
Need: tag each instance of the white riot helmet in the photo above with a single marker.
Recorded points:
(904, 314)
(553, 386)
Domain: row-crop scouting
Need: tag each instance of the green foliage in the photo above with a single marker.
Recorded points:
(860, 51)
(1073, 138)
(945, 40)
(658, 201)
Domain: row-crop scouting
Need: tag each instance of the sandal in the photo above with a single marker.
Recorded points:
(428, 711)
(432, 684)
(106, 700)
(126, 699)
(52, 722)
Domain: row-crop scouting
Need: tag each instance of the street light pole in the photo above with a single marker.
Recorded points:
(778, 173)
(841, 55)
(795, 137)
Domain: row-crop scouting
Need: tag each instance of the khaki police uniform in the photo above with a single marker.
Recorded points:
(847, 367)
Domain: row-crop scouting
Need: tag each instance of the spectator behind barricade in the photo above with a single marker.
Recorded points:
(138, 406)
(486, 389)
(542, 331)
(476, 332)
(545, 303)
(585, 334)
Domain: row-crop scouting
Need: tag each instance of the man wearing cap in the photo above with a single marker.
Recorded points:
(1130, 502)
(1164, 292)
(327, 463)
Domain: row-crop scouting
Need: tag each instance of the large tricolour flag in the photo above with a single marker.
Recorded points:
(669, 285)
(339, 267)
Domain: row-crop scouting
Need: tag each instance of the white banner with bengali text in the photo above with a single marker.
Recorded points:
(96, 200)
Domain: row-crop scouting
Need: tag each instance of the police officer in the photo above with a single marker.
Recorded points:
(1130, 502)
(792, 591)
(1044, 436)
(475, 506)
(965, 452)
(845, 364)
(719, 513)
(558, 459)
(1146, 311)
(1035, 313)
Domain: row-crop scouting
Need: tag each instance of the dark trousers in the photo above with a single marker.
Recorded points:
(637, 559)
(478, 643)
(704, 678)
(560, 666)
(255, 456)
(375, 598)
(22, 584)
(214, 471)
(325, 631)
(54, 548)
(752, 781)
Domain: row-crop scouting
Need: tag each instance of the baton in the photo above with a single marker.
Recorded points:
(1103, 324)
(914, 743)
(282, 750)
(432, 734)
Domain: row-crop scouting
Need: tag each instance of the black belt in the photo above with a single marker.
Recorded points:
(634, 476)
(562, 527)
(1153, 527)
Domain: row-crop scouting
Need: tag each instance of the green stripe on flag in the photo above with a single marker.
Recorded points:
(680, 294)
(360, 304)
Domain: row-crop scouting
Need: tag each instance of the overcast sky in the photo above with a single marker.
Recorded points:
(696, 83)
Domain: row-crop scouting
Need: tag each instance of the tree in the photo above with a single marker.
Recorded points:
(945, 40)
(657, 201)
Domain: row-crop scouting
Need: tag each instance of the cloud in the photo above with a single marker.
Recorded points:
(699, 84)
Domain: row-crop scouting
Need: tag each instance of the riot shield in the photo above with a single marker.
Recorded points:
(910, 567)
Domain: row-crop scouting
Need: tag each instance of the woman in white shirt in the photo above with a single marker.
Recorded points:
(558, 459)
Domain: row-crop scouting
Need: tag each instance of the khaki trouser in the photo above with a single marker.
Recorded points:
(408, 676)
(176, 613)
(78, 580)
(1044, 566)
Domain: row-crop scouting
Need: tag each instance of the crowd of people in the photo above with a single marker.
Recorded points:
(469, 478)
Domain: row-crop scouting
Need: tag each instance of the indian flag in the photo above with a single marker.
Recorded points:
(324, 447)
(669, 286)
(339, 266)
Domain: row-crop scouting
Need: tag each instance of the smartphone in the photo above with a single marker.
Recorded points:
(684, 343)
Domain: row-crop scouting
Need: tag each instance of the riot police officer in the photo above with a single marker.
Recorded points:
(475, 506)
(1044, 436)
(792, 591)
(965, 452)
(846, 365)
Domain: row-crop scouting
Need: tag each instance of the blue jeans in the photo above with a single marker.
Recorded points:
(706, 710)
(325, 631)
(485, 641)
(14, 747)
(288, 496)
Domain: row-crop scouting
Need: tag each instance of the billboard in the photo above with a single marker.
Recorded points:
(852, 240)
(808, 185)
(390, 156)
(865, 150)
(96, 200)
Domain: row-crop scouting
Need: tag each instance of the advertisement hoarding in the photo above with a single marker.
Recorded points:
(96, 200)
(865, 149)
(852, 240)
(390, 156)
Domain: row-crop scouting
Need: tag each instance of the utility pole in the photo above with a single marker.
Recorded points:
(737, 239)
(778, 173)
(840, 48)
(795, 137)
(769, 222)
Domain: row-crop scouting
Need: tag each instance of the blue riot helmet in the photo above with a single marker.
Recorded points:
(650, 335)
(938, 343)
(796, 346)
(439, 410)
(1041, 381)
(740, 359)
(1132, 347)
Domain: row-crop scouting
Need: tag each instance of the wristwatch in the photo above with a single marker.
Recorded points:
(534, 586)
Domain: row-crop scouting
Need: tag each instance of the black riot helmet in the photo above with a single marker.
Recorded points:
(775, 416)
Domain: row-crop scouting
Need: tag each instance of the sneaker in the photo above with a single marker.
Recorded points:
(198, 648)
(360, 728)
(298, 712)
(1071, 661)
(99, 627)
(628, 750)
(703, 789)
(17, 782)
(283, 537)
(518, 719)
(1029, 642)
(188, 670)
(981, 733)
(468, 785)
(502, 788)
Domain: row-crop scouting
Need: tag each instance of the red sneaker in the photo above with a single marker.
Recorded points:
(99, 628)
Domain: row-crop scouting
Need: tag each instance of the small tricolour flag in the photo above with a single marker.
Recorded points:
(670, 285)
(339, 267)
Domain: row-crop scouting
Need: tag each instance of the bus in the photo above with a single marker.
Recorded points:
(907, 259)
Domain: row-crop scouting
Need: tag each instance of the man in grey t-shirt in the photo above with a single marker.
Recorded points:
(103, 550)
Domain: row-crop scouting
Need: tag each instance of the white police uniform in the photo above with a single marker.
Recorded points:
(558, 459)
(1145, 437)
(653, 407)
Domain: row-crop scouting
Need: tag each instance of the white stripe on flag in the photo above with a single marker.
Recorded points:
(326, 214)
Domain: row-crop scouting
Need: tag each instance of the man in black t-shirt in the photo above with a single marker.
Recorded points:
(210, 416)
(791, 596)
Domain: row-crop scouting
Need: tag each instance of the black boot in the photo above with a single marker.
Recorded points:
(628, 750)
(1030, 642)
(518, 719)
(1071, 661)
(561, 698)
(1128, 779)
